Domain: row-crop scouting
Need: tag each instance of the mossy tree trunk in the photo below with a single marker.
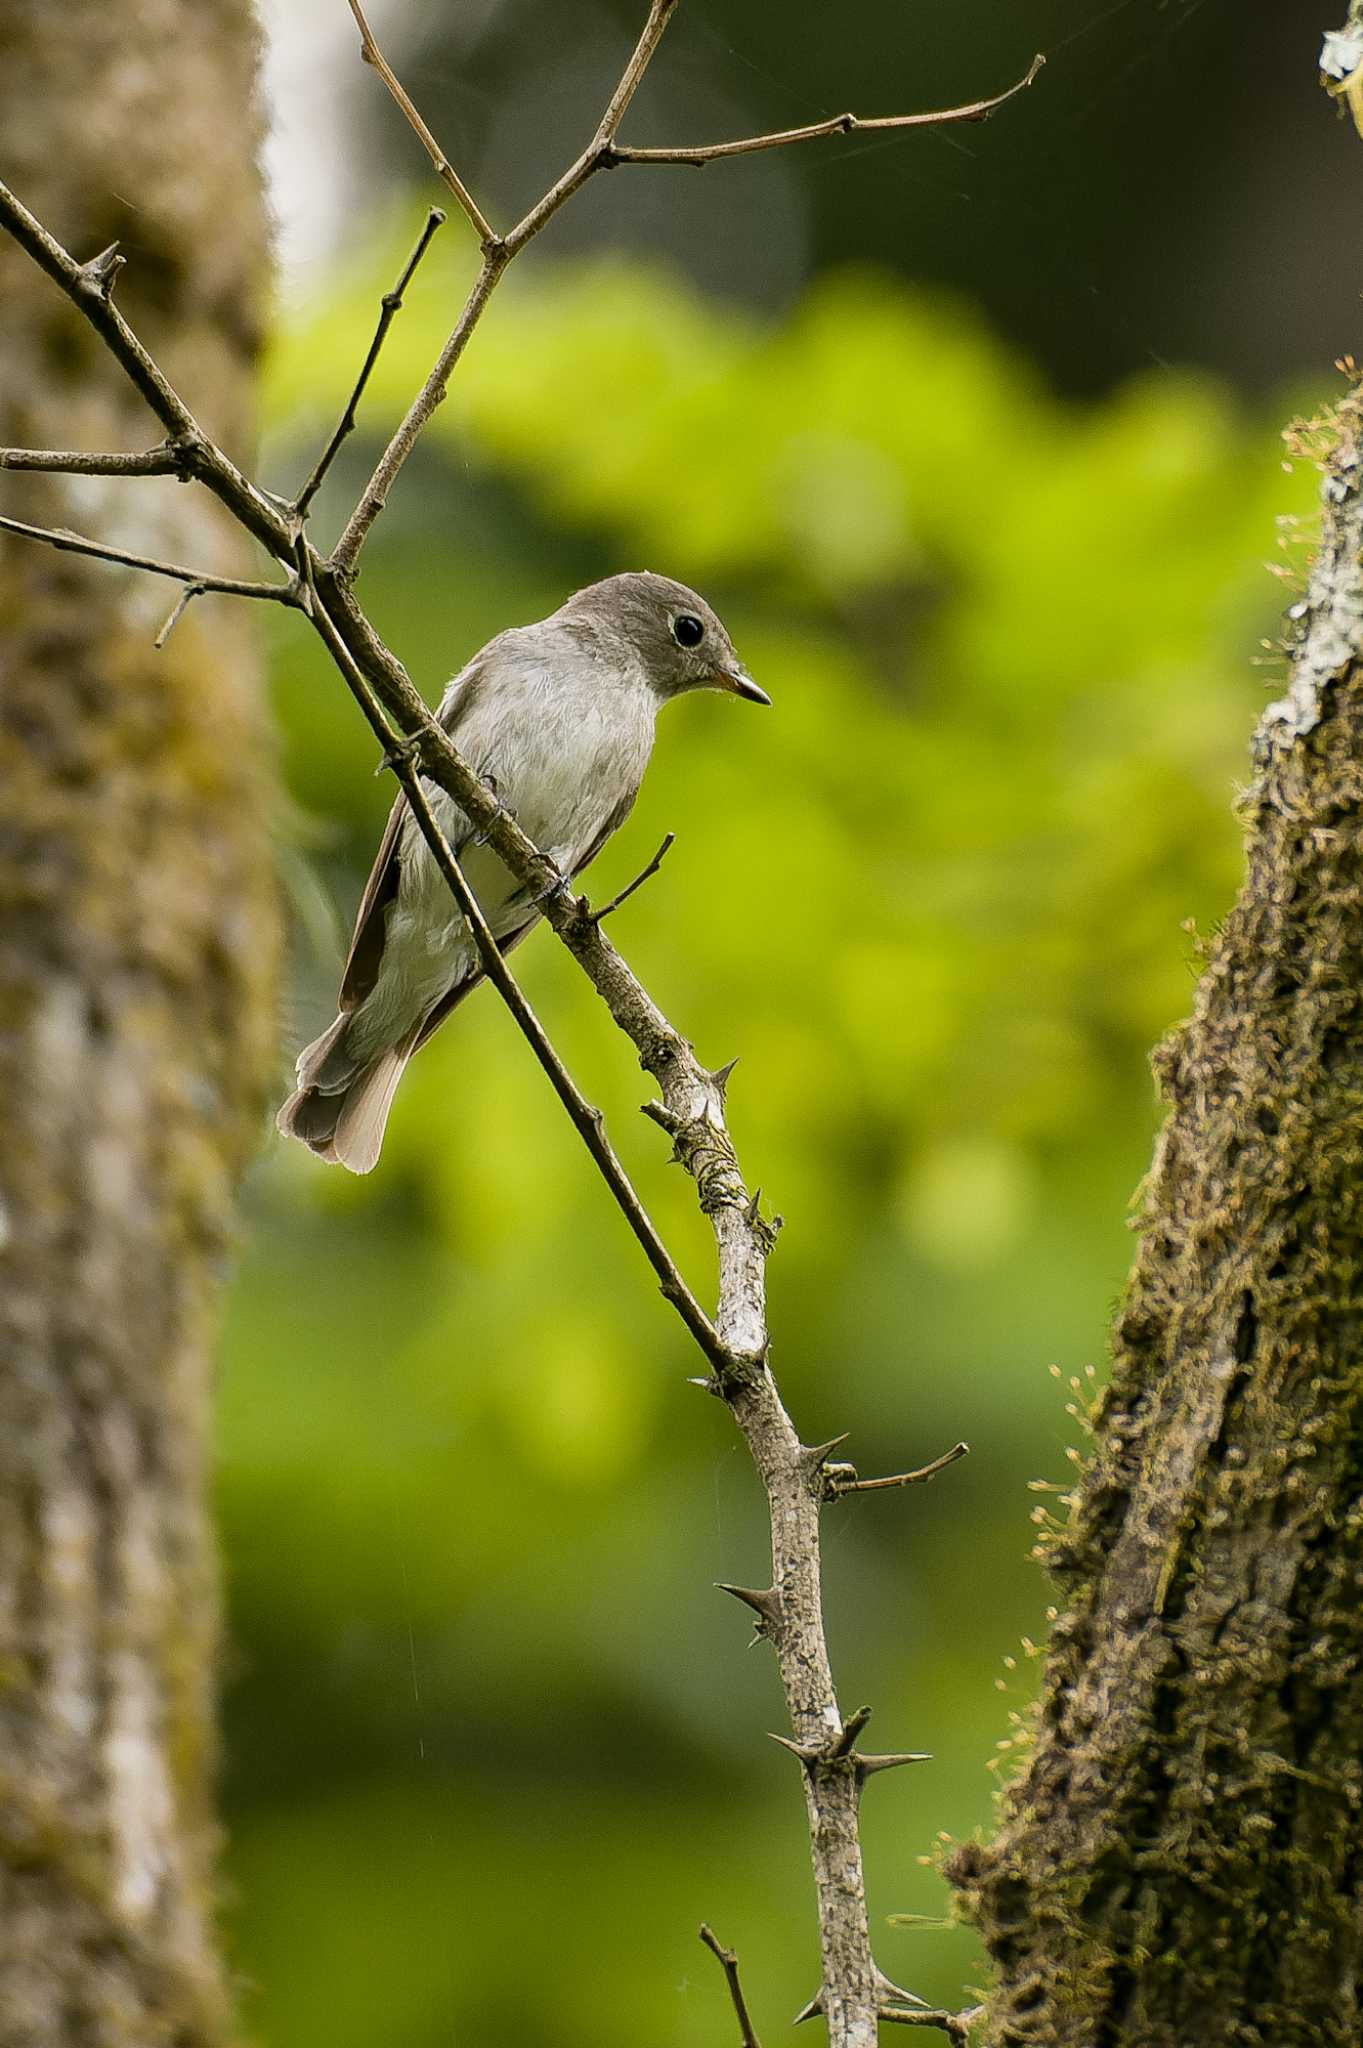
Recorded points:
(1182, 1859)
(137, 944)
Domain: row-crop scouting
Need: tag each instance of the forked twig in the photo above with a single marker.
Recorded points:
(601, 153)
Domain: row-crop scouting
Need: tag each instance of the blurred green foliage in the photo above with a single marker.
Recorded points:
(495, 1747)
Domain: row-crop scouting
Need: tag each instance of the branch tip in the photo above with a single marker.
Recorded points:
(728, 1962)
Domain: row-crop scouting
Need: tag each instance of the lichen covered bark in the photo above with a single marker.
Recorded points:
(137, 944)
(1182, 1859)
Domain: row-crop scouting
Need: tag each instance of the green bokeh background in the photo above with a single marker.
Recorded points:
(494, 1745)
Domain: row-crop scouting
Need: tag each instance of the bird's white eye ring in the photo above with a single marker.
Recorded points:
(687, 630)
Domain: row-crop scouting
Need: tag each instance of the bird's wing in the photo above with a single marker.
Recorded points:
(366, 945)
(612, 822)
(364, 959)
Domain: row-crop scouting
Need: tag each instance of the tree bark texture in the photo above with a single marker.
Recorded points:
(1182, 1858)
(137, 954)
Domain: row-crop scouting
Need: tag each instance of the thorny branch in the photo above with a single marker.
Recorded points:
(854, 1994)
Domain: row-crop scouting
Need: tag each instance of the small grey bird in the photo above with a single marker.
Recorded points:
(558, 717)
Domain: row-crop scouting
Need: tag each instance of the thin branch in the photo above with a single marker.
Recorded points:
(955, 2025)
(728, 1962)
(390, 305)
(166, 460)
(837, 1484)
(445, 170)
(68, 543)
(837, 124)
(643, 876)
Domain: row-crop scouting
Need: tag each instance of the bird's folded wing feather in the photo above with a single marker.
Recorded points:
(364, 959)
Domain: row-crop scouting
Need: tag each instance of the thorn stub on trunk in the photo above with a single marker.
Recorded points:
(720, 1077)
(851, 1729)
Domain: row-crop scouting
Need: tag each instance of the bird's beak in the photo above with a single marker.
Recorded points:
(739, 683)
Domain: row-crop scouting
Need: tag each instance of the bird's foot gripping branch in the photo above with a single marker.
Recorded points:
(434, 775)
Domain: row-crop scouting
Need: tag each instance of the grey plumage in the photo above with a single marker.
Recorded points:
(559, 716)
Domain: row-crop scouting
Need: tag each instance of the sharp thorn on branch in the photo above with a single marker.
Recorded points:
(810, 2011)
(720, 1077)
(867, 1766)
(765, 1604)
(802, 1750)
(890, 1995)
(813, 1457)
(101, 271)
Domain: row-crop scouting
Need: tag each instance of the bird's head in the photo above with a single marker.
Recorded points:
(679, 640)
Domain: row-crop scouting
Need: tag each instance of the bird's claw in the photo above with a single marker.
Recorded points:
(502, 811)
(558, 887)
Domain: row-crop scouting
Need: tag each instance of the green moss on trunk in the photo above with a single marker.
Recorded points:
(1182, 1859)
(137, 953)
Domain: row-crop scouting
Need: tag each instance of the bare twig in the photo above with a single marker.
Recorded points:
(166, 460)
(389, 308)
(837, 1483)
(837, 124)
(643, 875)
(728, 1962)
(68, 543)
(955, 2025)
(601, 153)
(444, 168)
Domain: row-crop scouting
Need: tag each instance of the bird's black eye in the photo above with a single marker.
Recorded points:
(687, 630)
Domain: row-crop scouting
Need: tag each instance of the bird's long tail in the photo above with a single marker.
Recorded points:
(340, 1106)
